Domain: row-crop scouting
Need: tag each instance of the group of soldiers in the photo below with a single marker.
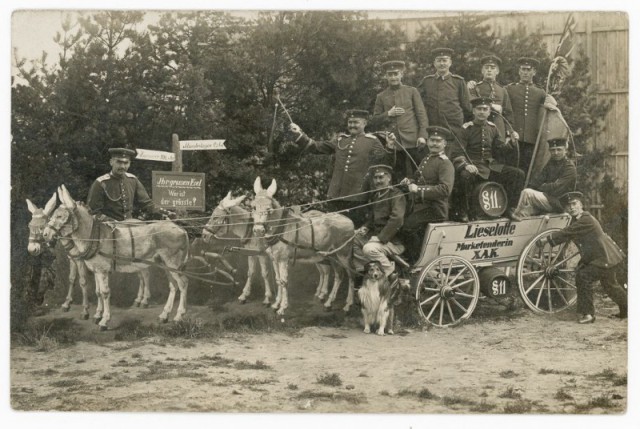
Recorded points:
(458, 155)
(470, 132)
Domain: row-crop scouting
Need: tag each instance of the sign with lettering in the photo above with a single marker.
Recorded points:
(486, 242)
(155, 155)
(173, 190)
(202, 145)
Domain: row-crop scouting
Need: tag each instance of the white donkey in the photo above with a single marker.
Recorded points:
(123, 247)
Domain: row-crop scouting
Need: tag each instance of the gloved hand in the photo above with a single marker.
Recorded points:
(515, 136)
(496, 107)
(421, 142)
(471, 168)
(471, 85)
(550, 103)
(294, 128)
(395, 111)
(362, 231)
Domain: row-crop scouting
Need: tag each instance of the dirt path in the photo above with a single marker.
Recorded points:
(499, 362)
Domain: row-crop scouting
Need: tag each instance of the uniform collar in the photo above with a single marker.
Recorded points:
(434, 155)
(480, 122)
(525, 83)
(116, 177)
(444, 77)
(580, 215)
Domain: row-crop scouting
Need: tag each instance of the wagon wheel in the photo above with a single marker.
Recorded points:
(448, 290)
(546, 274)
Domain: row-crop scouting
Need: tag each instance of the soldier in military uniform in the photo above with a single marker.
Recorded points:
(112, 196)
(429, 190)
(399, 109)
(488, 87)
(445, 95)
(599, 255)
(526, 102)
(378, 237)
(353, 153)
(558, 177)
(474, 161)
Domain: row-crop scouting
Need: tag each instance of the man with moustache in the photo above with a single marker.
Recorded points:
(112, 197)
(429, 190)
(399, 110)
(353, 155)
(557, 178)
(445, 95)
(526, 99)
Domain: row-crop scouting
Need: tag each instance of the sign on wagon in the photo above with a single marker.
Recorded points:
(173, 190)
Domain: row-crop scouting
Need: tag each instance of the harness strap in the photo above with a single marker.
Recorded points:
(94, 244)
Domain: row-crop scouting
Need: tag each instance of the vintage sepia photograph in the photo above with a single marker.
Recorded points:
(319, 211)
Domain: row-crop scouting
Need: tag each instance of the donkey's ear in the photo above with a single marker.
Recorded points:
(51, 204)
(66, 197)
(238, 200)
(257, 185)
(32, 207)
(273, 187)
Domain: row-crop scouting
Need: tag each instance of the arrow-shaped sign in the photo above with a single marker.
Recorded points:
(202, 145)
(155, 155)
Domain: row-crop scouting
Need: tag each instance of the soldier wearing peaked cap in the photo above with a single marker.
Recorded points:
(353, 154)
(599, 255)
(557, 178)
(475, 160)
(378, 238)
(445, 95)
(527, 101)
(429, 190)
(489, 87)
(113, 196)
(399, 110)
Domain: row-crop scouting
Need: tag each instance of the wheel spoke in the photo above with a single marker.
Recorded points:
(449, 271)
(429, 299)
(457, 286)
(441, 310)
(534, 261)
(453, 319)
(458, 275)
(460, 306)
(540, 293)
(560, 250)
(466, 295)
(571, 286)
(560, 293)
(566, 259)
(431, 289)
(434, 307)
(549, 295)
(533, 285)
(533, 272)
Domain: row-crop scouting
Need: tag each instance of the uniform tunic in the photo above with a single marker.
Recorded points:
(556, 179)
(434, 179)
(386, 215)
(114, 198)
(526, 101)
(499, 96)
(446, 99)
(353, 155)
(599, 254)
(409, 126)
(480, 139)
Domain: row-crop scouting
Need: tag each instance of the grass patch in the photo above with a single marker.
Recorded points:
(562, 395)
(421, 394)
(292, 386)
(247, 365)
(521, 406)
(610, 375)
(510, 393)
(327, 379)
(352, 398)
(217, 361)
(508, 374)
(133, 329)
(456, 400)
(46, 335)
(620, 381)
(46, 372)
(545, 371)
(483, 407)
(602, 401)
(66, 383)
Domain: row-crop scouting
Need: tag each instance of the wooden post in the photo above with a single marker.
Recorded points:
(177, 165)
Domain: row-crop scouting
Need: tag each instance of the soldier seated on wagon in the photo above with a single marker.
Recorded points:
(557, 178)
(474, 160)
(112, 196)
(378, 238)
(429, 191)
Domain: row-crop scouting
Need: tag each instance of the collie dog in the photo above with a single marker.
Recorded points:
(376, 299)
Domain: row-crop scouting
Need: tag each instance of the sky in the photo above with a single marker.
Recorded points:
(32, 24)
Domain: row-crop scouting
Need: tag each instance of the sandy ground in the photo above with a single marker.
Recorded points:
(500, 361)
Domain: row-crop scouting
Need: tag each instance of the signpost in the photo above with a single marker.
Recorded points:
(177, 190)
(155, 155)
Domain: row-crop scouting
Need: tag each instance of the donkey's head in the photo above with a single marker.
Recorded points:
(263, 205)
(39, 218)
(220, 218)
(63, 221)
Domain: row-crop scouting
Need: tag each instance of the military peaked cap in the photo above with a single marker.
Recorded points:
(530, 62)
(557, 142)
(380, 168)
(393, 66)
(353, 113)
(490, 59)
(481, 101)
(442, 52)
(435, 131)
(571, 196)
(122, 153)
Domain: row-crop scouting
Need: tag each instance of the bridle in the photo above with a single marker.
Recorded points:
(214, 227)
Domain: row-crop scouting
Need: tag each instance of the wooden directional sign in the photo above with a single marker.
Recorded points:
(155, 155)
(202, 145)
(175, 190)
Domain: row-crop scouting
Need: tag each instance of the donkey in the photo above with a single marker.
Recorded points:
(77, 268)
(122, 247)
(230, 219)
(310, 237)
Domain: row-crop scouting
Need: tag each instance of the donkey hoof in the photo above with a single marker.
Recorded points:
(85, 317)
(242, 300)
(327, 309)
(145, 305)
(136, 304)
(164, 319)
(97, 320)
(65, 309)
(103, 328)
